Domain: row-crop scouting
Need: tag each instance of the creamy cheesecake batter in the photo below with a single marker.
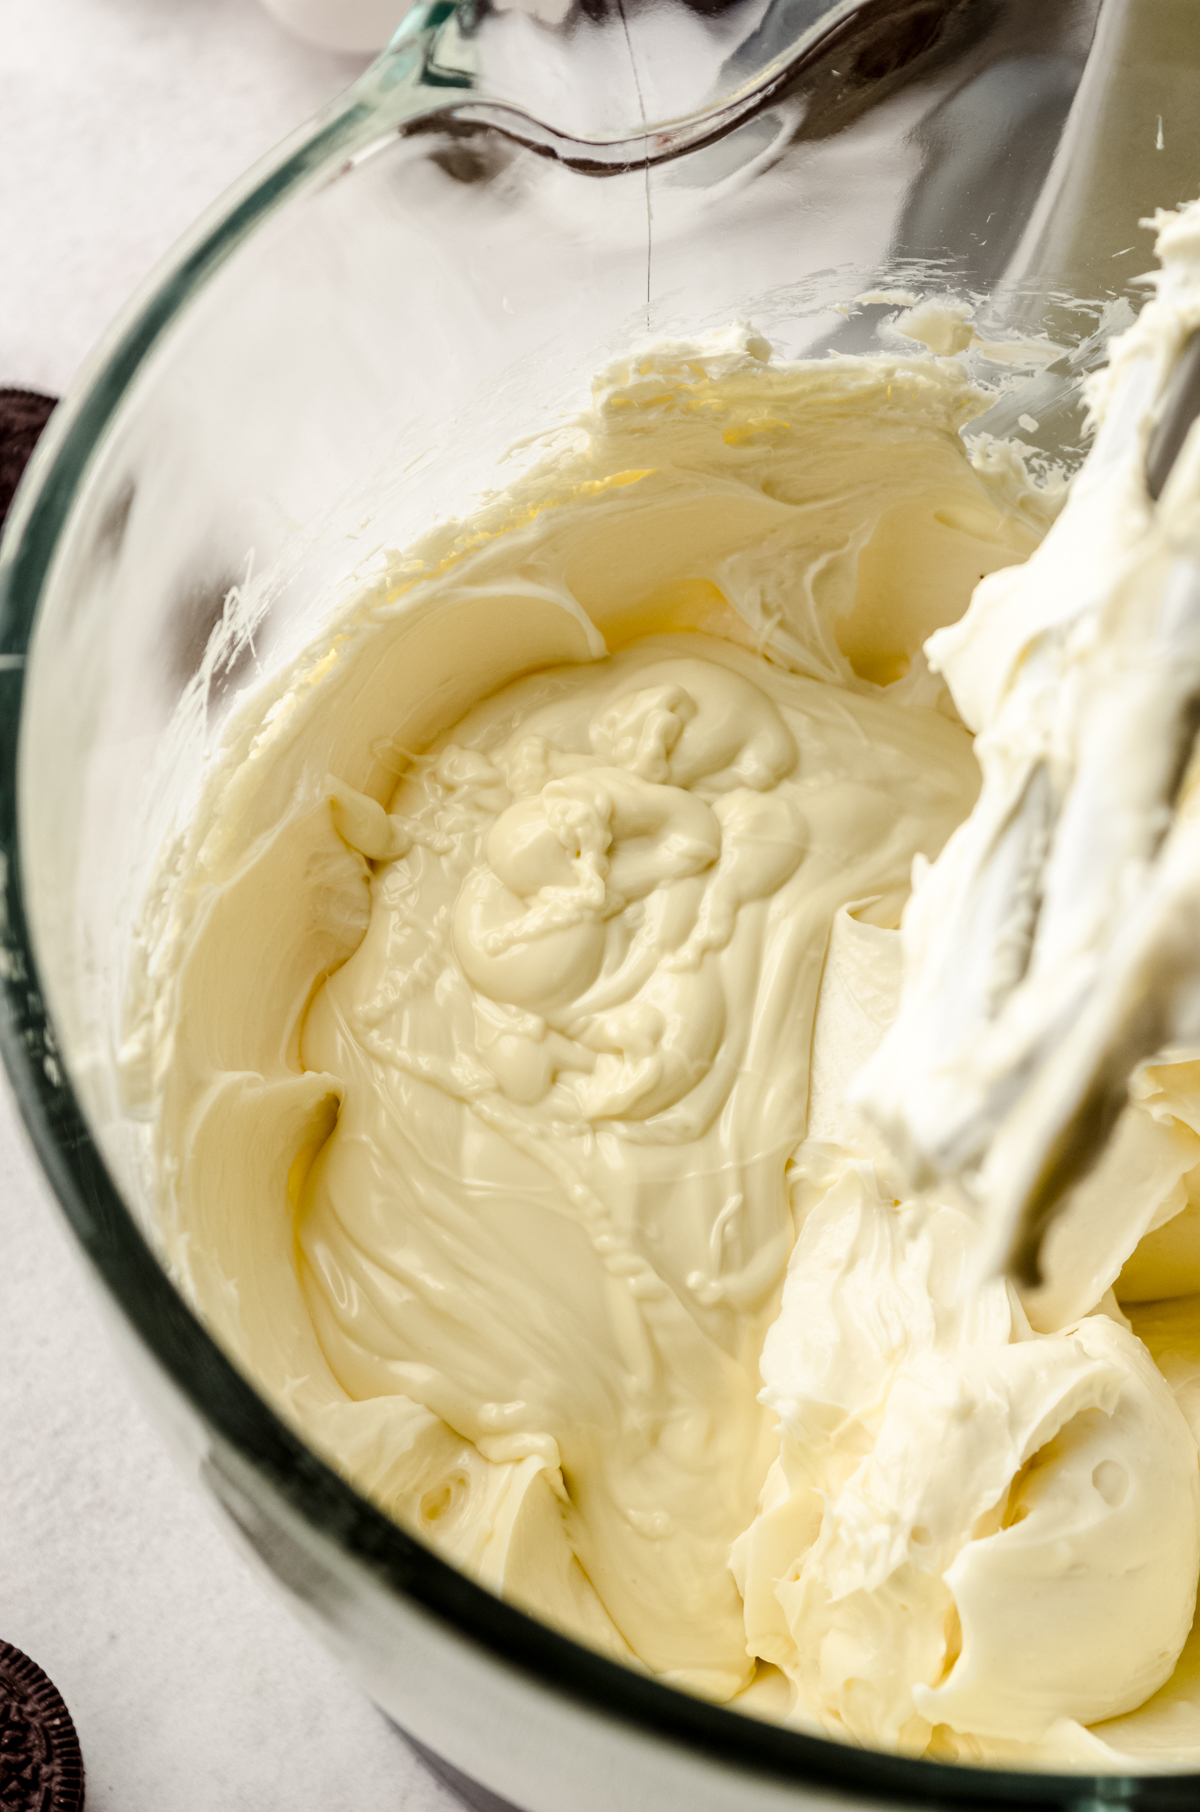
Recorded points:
(497, 1008)
(1053, 948)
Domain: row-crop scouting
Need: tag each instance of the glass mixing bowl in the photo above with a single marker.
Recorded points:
(338, 353)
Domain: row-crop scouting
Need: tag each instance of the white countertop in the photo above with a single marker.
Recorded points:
(190, 1685)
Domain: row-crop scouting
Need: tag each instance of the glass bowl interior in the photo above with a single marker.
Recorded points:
(427, 276)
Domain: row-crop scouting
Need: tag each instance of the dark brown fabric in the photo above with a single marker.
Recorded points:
(23, 415)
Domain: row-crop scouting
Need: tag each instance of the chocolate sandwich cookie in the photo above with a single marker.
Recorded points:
(23, 415)
(41, 1768)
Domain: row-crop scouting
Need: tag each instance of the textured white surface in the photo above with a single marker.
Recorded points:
(191, 1687)
(340, 24)
(120, 120)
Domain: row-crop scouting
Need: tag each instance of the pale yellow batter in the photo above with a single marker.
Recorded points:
(496, 1009)
(571, 1056)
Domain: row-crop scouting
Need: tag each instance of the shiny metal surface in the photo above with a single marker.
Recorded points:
(1181, 406)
